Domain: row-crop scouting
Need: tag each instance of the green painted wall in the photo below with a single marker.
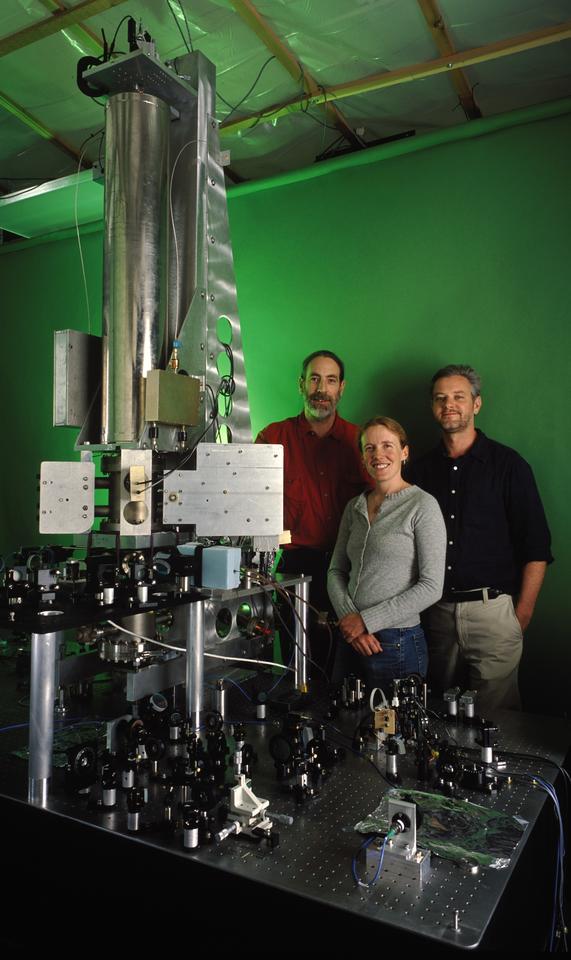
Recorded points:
(458, 253)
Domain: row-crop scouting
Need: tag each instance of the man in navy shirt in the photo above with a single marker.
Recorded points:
(498, 548)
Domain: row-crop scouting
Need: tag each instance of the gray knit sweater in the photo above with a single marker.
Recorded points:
(390, 570)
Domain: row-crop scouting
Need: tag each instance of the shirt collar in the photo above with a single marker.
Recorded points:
(480, 448)
(306, 427)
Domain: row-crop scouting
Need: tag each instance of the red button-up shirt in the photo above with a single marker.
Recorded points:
(321, 474)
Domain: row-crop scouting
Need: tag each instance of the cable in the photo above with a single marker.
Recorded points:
(361, 883)
(183, 11)
(179, 28)
(81, 155)
(384, 701)
(149, 484)
(240, 688)
(215, 656)
(271, 586)
(120, 24)
(213, 408)
(171, 211)
(279, 680)
(265, 663)
(246, 95)
(292, 637)
(558, 917)
(77, 722)
(138, 636)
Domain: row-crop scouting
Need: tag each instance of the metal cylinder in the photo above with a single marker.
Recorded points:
(143, 593)
(42, 695)
(135, 257)
(109, 797)
(487, 755)
(190, 838)
(392, 765)
(133, 821)
(127, 779)
(194, 660)
(220, 698)
(301, 622)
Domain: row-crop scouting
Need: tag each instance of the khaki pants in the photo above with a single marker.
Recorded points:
(476, 646)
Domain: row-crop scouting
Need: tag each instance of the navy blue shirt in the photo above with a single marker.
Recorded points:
(495, 522)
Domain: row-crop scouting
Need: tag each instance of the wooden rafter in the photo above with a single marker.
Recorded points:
(419, 71)
(60, 19)
(6, 103)
(251, 16)
(445, 47)
(27, 118)
(83, 33)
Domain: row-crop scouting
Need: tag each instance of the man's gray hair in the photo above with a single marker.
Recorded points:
(459, 370)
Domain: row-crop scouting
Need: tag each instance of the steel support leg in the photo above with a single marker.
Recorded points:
(45, 649)
(301, 621)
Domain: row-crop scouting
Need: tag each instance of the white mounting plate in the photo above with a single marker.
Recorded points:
(235, 491)
(66, 496)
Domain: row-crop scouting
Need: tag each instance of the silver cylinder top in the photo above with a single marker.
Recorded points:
(135, 257)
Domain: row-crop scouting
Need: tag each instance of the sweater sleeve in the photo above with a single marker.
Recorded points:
(430, 544)
(340, 567)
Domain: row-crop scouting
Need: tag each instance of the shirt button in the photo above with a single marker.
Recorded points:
(452, 491)
(324, 494)
(454, 468)
(452, 516)
(450, 542)
(449, 568)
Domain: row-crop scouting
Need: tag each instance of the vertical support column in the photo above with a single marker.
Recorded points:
(301, 621)
(194, 660)
(45, 648)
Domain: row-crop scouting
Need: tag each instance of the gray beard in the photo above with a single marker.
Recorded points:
(318, 413)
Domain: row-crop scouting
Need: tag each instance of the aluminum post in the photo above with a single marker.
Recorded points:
(301, 621)
(194, 660)
(45, 648)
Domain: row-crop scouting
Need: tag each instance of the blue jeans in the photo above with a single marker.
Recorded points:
(404, 652)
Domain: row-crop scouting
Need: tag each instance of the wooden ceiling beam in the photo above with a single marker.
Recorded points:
(84, 34)
(60, 19)
(419, 71)
(6, 103)
(259, 25)
(437, 26)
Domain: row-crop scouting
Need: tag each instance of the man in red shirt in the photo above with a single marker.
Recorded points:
(322, 472)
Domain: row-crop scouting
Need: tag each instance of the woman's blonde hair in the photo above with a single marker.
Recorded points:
(393, 425)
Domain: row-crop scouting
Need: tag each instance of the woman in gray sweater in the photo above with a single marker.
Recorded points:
(388, 562)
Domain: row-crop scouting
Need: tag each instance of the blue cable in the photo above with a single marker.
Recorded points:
(559, 885)
(241, 689)
(281, 677)
(73, 723)
(367, 843)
